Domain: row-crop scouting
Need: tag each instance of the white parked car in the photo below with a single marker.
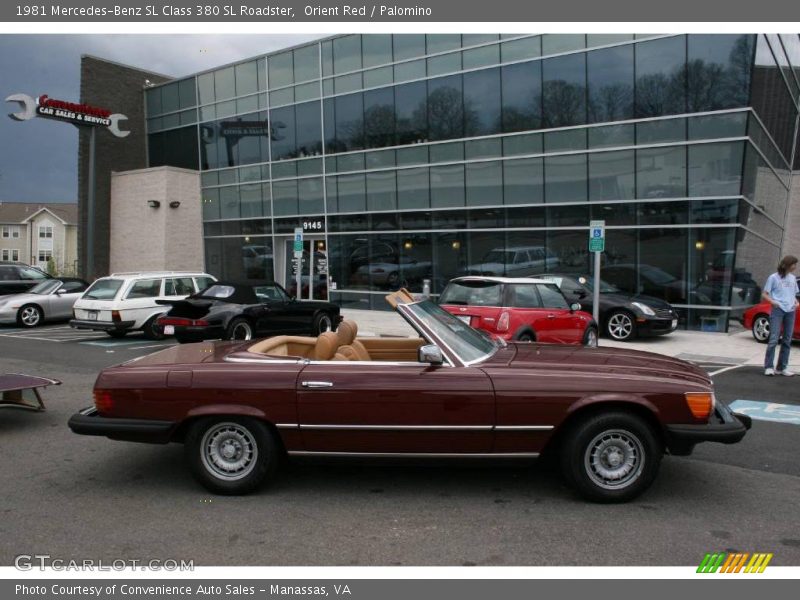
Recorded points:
(124, 302)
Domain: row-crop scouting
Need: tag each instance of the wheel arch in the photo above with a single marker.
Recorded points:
(39, 306)
(526, 328)
(593, 405)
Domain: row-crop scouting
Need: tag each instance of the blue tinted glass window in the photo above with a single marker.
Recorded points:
(350, 122)
(661, 77)
(564, 90)
(523, 181)
(661, 172)
(377, 49)
(522, 96)
(281, 70)
(379, 118)
(445, 108)
(282, 127)
(306, 63)
(347, 53)
(308, 129)
(718, 71)
(482, 102)
(411, 110)
(612, 175)
(408, 45)
(565, 178)
(610, 84)
(447, 186)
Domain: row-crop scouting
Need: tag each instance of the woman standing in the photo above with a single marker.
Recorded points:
(781, 291)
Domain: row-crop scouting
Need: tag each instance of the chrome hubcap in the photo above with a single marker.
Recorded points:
(761, 328)
(242, 331)
(325, 324)
(614, 459)
(229, 451)
(30, 316)
(620, 326)
(591, 338)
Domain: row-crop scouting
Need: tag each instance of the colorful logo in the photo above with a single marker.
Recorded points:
(722, 562)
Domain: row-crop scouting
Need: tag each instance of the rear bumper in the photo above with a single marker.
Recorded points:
(725, 427)
(102, 325)
(196, 334)
(89, 422)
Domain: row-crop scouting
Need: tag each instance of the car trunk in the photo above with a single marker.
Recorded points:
(187, 354)
(479, 317)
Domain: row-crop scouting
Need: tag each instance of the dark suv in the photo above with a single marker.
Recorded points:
(16, 277)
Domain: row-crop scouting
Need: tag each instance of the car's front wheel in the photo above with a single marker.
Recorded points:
(621, 326)
(590, 337)
(30, 315)
(761, 329)
(231, 455)
(322, 323)
(611, 456)
(239, 329)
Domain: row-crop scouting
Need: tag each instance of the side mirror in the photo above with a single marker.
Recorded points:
(430, 354)
(61, 291)
(575, 306)
(580, 294)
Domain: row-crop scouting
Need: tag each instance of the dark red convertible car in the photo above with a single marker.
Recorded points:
(453, 392)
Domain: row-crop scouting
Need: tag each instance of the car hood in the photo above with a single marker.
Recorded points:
(568, 359)
(24, 297)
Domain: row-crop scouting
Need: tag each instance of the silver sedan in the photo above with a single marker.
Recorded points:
(50, 300)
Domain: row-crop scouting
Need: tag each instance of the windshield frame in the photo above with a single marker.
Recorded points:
(406, 310)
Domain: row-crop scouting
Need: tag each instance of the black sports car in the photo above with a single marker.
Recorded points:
(235, 311)
(623, 316)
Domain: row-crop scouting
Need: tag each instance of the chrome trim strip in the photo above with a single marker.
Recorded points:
(417, 454)
(287, 426)
(398, 427)
(265, 360)
(523, 427)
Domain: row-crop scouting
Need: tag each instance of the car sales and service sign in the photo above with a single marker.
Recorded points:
(71, 112)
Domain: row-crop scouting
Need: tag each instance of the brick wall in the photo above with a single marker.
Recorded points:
(120, 89)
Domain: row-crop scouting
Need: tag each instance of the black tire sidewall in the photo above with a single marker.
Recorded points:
(577, 440)
(150, 331)
(633, 325)
(266, 463)
(317, 320)
(232, 325)
(117, 334)
(21, 323)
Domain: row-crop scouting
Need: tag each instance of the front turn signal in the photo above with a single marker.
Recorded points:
(700, 403)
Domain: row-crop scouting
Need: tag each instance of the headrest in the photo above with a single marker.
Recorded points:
(326, 346)
(347, 332)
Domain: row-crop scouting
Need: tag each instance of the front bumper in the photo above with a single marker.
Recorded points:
(89, 422)
(654, 326)
(8, 315)
(725, 427)
(101, 325)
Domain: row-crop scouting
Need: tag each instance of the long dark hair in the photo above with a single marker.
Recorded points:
(786, 264)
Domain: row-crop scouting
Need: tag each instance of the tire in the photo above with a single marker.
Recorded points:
(760, 328)
(393, 280)
(525, 336)
(322, 323)
(621, 326)
(117, 335)
(592, 448)
(151, 330)
(253, 456)
(590, 337)
(182, 339)
(30, 315)
(239, 329)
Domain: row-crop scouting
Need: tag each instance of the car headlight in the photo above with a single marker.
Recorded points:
(644, 308)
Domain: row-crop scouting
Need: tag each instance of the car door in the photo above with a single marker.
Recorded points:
(527, 312)
(63, 298)
(139, 301)
(275, 317)
(394, 408)
(566, 326)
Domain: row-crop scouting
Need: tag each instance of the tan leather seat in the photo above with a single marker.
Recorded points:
(326, 347)
(349, 346)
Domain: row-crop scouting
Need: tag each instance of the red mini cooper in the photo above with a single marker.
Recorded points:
(519, 309)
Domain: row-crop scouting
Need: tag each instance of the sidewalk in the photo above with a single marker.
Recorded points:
(735, 348)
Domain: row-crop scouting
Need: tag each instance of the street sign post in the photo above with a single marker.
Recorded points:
(597, 244)
(298, 259)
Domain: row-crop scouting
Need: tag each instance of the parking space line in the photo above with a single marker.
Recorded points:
(768, 411)
(731, 368)
(153, 346)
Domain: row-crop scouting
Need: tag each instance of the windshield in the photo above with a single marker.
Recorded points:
(605, 287)
(656, 275)
(474, 293)
(45, 287)
(103, 289)
(467, 343)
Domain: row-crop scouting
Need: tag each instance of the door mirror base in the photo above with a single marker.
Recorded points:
(574, 306)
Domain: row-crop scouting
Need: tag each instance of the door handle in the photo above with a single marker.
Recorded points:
(316, 384)
(551, 316)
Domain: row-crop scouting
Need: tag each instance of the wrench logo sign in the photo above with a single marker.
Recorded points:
(78, 114)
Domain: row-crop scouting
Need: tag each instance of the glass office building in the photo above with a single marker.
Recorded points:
(408, 158)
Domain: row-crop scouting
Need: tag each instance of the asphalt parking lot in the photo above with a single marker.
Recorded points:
(76, 497)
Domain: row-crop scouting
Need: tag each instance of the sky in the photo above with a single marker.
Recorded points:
(39, 158)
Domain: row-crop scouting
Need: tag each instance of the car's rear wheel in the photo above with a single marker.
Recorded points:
(30, 315)
(611, 456)
(117, 334)
(621, 326)
(239, 329)
(151, 330)
(231, 455)
(590, 337)
(526, 336)
(761, 328)
(322, 323)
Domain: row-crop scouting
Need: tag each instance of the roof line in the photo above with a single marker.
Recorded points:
(119, 64)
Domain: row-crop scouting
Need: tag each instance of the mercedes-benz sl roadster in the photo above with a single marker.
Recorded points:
(452, 392)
